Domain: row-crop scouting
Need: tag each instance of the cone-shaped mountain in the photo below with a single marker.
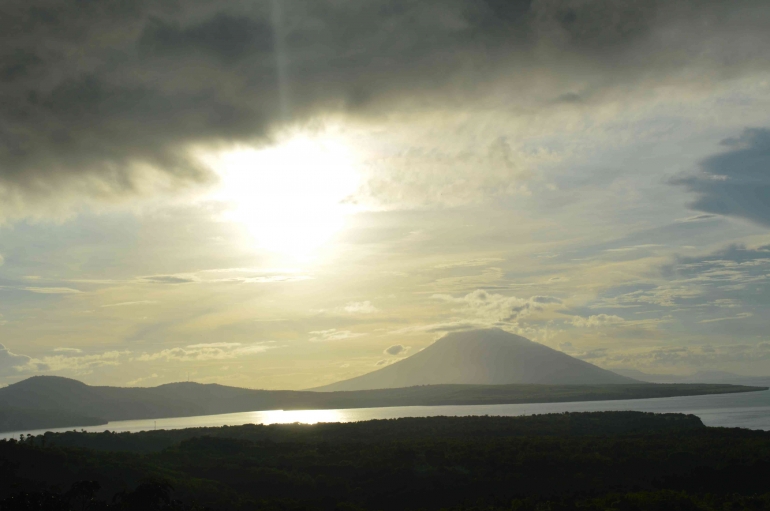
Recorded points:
(483, 357)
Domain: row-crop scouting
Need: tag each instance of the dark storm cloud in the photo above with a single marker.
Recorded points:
(224, 36)
(97, 92)
(736, 182)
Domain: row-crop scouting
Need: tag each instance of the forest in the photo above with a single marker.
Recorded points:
(591, 461)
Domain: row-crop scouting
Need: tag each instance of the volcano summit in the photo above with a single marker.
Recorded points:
(483, 357)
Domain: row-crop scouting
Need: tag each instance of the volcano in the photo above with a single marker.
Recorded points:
(483, 357)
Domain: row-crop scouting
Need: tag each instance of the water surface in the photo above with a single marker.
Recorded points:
(745, 410)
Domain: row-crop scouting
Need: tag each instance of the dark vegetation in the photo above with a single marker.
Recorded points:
(590, 461)
(51, 397)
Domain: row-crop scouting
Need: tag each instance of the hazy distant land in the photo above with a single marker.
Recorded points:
(54, 402)
(15, 419)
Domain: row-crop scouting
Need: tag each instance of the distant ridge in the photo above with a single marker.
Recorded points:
(483, 357)
(44, 402)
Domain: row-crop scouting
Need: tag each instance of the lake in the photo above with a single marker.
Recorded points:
(746, 410)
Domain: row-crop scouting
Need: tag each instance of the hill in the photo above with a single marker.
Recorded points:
(697, 377)
(52, 402)
(483, 357)
(598, 461)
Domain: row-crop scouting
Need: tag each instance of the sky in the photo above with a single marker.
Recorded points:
(282, 194)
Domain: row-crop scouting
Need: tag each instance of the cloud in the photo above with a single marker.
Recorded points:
(496, 308)
(105, 101)
(360, 308)
(698, 218)
(205, 351)
(65, 359)
(735, 182)
(633, 248)
(11, 363)
(67, 350)
(469, 263)
(681, 356)
(596, 321)
(170, 279)
(256, 277)
(126, 304)
(742, 315)
(333, 334)
(730, 269)
(396, 349)
(137, 381)
(52, 290)
(450, 326)
(591, 354)
(545, 299)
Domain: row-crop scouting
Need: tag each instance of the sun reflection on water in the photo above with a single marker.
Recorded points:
(302, 416)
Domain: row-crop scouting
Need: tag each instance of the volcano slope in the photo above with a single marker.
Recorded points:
(483, 357)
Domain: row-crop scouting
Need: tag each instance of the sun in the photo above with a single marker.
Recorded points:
(293, 197)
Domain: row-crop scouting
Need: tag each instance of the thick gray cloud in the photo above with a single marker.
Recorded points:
(97, 94)
(736, 182)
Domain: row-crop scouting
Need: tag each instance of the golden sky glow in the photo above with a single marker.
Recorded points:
(290, 196)
(178, 200)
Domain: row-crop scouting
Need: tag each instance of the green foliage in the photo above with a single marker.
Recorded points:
(619, 461)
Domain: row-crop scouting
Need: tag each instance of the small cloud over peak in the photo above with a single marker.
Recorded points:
(494, 308)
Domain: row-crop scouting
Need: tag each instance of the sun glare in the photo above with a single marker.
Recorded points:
(291, 197)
